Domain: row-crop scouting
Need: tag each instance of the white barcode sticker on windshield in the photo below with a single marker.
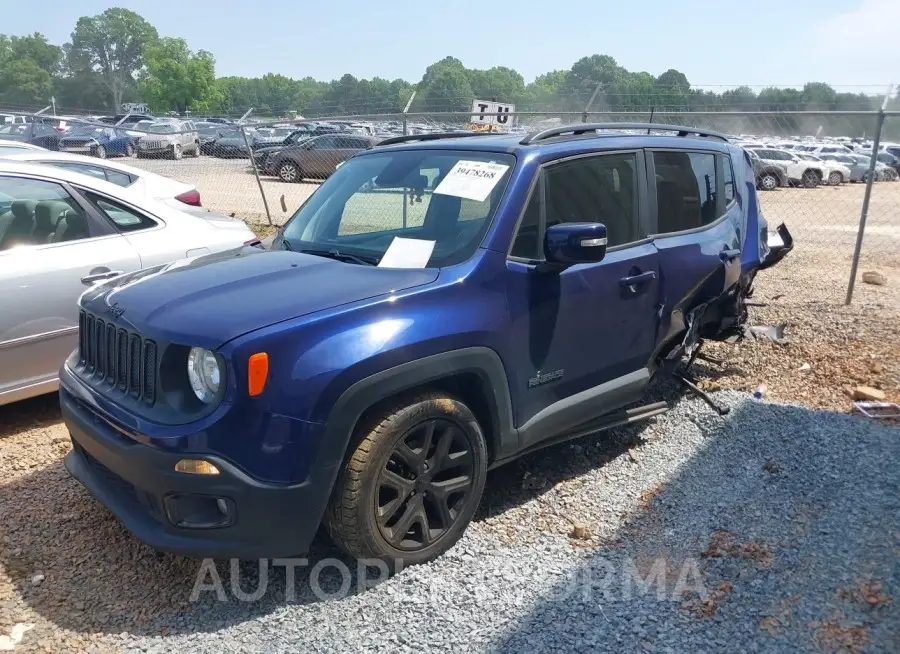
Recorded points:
(407, 253)
(473, 180)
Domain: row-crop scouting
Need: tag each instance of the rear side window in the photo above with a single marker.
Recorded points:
(38, 212)
(685, 190)
(118, 178)
(124, 218)
(728, 179)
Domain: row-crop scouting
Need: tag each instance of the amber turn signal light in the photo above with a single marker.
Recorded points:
(257, 373)
(196, 467)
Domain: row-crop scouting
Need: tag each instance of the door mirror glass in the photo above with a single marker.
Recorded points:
(571, 243)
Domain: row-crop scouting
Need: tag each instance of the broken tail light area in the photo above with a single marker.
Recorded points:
(779, 242)
(191, 197)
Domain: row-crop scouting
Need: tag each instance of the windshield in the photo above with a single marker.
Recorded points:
(446, 198)
(86, 130)
(208, 130)
(162, 128)
(231, 134)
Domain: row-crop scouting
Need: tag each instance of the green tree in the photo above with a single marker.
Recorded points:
(500, 82)
(178, 79)
(544, 91)
(113, 43)
(27, 67)
(584, 76)
(449, 90)
(672, 90)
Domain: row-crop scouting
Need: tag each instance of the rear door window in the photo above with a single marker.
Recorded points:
(39, 212)
(685, 190)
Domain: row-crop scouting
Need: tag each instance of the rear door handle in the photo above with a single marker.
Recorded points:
(728, 255)
(637, 280)
(99, 277)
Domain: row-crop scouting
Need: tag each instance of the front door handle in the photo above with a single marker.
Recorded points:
(637, 280)
(99, 277)
(727, 255)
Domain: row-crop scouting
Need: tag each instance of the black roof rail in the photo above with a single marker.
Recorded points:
(393, 140)
(579, 129)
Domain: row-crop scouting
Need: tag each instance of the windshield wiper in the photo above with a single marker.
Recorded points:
(286, 244)
(343, 256)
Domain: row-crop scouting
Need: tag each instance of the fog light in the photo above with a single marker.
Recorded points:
(196, 467)
(199, 511)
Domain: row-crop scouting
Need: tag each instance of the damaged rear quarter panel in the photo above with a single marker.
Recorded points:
(691, 270)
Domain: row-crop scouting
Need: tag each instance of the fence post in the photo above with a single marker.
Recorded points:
(256, 172)
(584, 113)
(864, 213)
(405, 110)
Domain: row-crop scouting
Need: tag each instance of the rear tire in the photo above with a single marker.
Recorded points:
(196, 151)
(412, 484)
(289, 172)
(835, 178)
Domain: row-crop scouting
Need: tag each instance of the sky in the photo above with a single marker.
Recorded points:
(850, 44)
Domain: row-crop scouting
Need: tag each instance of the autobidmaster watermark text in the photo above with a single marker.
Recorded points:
(333, 578)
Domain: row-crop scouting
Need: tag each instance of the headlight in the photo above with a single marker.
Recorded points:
(204, 374)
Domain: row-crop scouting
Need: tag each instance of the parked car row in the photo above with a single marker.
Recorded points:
(782, 164)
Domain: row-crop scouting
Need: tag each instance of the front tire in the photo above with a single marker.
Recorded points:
(177, 152)
(100, 152)
(810, 179)
(412, 484)
(129, 150)
(768, 182)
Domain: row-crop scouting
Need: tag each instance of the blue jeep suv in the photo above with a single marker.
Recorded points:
(441, 305)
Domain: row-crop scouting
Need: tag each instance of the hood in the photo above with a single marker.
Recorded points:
(270, 149)
(231, 140)
(209, 300)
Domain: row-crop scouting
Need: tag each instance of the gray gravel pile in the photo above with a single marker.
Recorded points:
(774, 529)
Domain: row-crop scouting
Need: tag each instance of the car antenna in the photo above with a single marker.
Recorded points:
(652, 109)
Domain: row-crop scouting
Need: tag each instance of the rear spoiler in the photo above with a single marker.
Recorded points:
(780, 243)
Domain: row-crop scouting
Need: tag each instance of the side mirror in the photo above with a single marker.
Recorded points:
(571, 243)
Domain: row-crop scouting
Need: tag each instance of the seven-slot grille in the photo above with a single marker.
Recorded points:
(118, 357)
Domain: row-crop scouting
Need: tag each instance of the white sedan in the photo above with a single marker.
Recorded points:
(148, 184)
(62, 231)
(8, 147)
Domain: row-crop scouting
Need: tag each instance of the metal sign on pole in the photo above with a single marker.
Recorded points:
(879, 123)
(486, 112)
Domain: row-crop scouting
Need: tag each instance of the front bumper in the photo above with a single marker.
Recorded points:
(138, 483)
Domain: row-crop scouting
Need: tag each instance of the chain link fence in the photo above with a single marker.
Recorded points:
(263, 171)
